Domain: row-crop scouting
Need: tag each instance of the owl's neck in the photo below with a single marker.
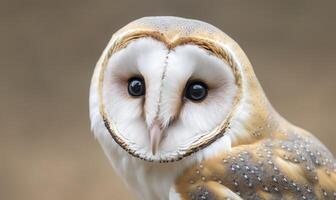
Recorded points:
(155, 181)
(152, 181)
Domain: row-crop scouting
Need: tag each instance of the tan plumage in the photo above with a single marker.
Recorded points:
(266, 157)
(288, 164)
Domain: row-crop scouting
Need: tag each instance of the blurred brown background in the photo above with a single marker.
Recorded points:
(48, 50)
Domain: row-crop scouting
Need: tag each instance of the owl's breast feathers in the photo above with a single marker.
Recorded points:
(287, 165)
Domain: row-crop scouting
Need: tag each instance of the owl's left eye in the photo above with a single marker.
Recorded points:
(136, 86)
(196, 91)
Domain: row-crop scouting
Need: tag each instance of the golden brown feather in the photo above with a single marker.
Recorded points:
(289, 164)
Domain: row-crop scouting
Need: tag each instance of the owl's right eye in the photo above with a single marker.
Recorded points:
(136, 86)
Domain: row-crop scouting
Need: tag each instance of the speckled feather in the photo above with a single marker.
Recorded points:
(289, 164)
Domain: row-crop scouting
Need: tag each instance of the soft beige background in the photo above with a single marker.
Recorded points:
(48, 50)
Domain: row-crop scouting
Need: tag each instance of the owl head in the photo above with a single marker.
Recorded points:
(167, 87)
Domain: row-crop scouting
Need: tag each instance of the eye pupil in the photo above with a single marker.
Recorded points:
(196, 91)
(136, 87)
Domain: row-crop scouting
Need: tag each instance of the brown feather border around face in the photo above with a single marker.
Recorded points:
(211, 47)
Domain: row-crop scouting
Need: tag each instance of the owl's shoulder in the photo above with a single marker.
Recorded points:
(286, 165)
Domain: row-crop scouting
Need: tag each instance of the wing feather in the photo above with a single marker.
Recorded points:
(285, 165)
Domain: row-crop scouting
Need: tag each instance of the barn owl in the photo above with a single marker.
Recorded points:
(180, 114)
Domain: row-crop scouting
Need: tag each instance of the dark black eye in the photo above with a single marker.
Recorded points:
(136, 86)
(196, 91)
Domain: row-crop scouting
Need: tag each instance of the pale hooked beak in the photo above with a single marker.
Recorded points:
(155, 135)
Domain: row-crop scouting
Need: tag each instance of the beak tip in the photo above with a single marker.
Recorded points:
(155, 146)
(155, 138)
(153, 152)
